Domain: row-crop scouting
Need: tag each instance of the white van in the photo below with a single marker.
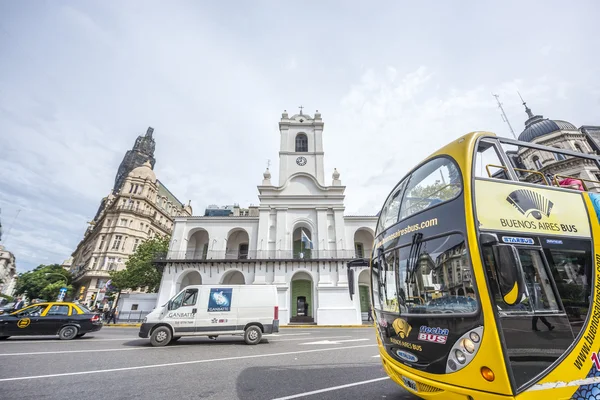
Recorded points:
(213, 310)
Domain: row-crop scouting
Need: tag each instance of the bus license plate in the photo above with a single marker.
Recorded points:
(410, 383)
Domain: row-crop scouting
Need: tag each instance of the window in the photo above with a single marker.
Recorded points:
(404, 278)
(187, 298)
(559, 157)
(301, 143)
(117, 242)
(74, 311)
(487, 162)
(537, 163)
(34, 311)
(135, 244)
(389, 213)
(95, 264)
(130, 187)
(243, 251)
(433, 183)
(108, 222)
(134, 307)
(101, 246)
(123, 222)
(111, 263)
(100, 283)
(58, 310)
(359, 250)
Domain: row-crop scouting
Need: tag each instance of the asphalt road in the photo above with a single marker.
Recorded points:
(114, 363)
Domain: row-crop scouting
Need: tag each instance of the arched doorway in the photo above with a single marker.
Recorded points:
(237, 244)
(197, 245)
(192, 277)
(233, 278)
(302, 243)
(364, 294)
(302, 298)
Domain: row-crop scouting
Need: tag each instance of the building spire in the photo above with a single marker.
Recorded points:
(527, 109)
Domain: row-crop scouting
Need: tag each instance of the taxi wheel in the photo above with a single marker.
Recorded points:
(253, 335)
(161, 336)
(68, 332)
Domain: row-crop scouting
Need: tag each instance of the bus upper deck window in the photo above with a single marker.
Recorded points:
(487, 162)
(433, 183)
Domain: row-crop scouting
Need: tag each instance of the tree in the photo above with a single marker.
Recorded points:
(437, 190)
(140, 271)
(44, 282)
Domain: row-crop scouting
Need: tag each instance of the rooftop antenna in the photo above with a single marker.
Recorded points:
(504, 117)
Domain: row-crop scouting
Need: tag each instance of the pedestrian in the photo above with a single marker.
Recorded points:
(106, 311)
(18, 304)
(113, 316)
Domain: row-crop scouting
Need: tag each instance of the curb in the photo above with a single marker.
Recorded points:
(281, 327)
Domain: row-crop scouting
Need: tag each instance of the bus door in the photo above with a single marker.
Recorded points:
(536, 330)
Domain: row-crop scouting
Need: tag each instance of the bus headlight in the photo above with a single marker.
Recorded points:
(460, 356)
(474, 337)
(464, 350)
(468, 345)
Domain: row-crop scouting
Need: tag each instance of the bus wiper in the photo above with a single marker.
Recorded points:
(413, 259)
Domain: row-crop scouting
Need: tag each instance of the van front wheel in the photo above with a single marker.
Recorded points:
(253, 335)
(161, 336)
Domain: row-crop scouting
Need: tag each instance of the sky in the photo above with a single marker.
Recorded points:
(394, 81)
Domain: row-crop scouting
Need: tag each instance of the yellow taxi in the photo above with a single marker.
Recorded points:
(65, 319)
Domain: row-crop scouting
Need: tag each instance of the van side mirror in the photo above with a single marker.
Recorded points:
(510, 275)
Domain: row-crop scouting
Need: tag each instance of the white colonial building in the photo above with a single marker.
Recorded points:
(297, 238)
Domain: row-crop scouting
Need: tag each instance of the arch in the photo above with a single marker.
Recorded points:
(302, 240)
(301, 143)
(558, 156)
(302, 297)
(363, 242)
(197, 244)
(189, 277)
(364, 294)
(238, 242)
(233, 277)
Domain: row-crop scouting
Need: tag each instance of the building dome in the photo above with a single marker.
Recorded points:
(144, 172)
(537, 126)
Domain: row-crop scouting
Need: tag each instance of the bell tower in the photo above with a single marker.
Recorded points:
(301, 148)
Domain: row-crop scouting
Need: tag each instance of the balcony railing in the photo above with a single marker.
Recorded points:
(259, 255)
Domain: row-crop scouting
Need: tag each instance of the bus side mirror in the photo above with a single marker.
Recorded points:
(510, 277)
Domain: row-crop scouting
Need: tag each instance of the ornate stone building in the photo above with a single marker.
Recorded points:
(297, 238)
(552, 166)
(8, 272)
(139, 207)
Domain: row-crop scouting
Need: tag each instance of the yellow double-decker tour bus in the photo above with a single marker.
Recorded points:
(485, 273)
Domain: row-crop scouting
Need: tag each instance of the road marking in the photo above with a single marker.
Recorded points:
(288, 334)
(296, 339)
(295, 396)
(88, 351)
(335, 341)
(66, 341)
(376, 356)
(22, 378)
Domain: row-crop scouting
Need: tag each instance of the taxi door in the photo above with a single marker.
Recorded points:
(53, 318)
(25, 322)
